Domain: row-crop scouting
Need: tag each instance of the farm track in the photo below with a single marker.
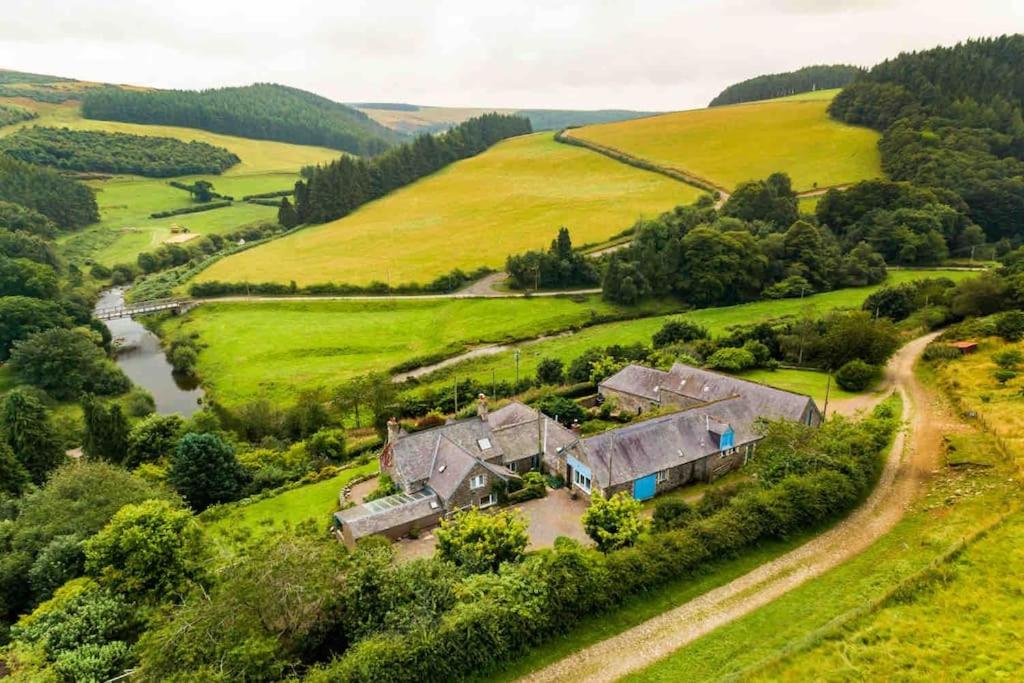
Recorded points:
(914, 455)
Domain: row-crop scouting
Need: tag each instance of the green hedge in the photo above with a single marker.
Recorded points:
(209, 206)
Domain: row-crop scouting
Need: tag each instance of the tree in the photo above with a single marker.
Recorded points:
(731, 360)
(613, 522)
(1010, 325)
(550, 371)
(327, 444)
(153, 438)
(22, 277)
(772, 200)
(565, 410)
(856, 335)
(856, 375)
(307, 416)
(22, 316)
(286, 214)
(205, 471)
(678, 330)
(106, 431)
(26, 427)
(480, 542)
(13, 475)
(982, 295)
(148, 550)
(66, 364)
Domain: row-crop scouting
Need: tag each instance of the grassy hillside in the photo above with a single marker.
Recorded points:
(473, 213)
(414, 119)
(728, 145)
(126, 202)
(276, 349)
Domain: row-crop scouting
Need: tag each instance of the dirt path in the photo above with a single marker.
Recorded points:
(914, 455)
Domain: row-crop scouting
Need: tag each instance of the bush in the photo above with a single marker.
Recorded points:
(565, 410)
(939, 351)
(1010, 325)
(731, 360)
(676, 331)
(209, 206)
(670, 514)
(327, 444)
(857, 375)
(140, 403)
(550, 371)
(386, 486)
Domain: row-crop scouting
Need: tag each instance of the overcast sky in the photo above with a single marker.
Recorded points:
(658, 55)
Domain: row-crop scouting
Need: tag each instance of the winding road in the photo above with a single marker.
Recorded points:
(915, 454)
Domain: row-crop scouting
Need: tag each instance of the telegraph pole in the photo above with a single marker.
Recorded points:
(517, 370)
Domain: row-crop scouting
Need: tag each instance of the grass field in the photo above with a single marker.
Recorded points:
(275, 349)
(272, 350)
(717, 320)
(473, 213)
(312, 501)
(806, 382)
(424, 117)
(125, 202)
(731, 144)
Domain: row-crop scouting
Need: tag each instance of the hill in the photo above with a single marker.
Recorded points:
(264, 111)
(415, 119)
(472, 213)
(771, 86)
(725, 146)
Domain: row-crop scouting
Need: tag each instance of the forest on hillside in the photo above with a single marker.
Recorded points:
(807, 79)
(951, 117)
(338, 188)
(66, 202)
(263, 111)
(88, 150)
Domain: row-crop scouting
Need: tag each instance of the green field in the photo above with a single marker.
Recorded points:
(312, 501)
(274, 349)
(731, 144)
(473, 213)
(125, 202)
(806, 382)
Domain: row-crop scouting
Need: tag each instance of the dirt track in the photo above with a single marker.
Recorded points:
(914, 454)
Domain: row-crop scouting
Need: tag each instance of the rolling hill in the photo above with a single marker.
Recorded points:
(476, 212)
(731, 144)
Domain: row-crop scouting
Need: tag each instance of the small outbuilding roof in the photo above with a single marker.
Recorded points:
(381, 515)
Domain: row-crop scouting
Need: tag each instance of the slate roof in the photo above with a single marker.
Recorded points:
(450, 466)
(387, 513)
(414, 453)
(639, 381)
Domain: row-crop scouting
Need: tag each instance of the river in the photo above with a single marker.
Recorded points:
(142, 359)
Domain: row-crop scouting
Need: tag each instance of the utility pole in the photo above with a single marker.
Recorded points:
(972, 252)
(494, 391)
(828, 387)
(516, 388)
(456, 394)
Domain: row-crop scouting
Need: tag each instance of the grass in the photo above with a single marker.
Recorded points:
(413, 121)
(731, 144)
(807, 382)
(274, 349)
(473, 213)
(312, 501)
(125, 228)
(910, 607)
(717, 320)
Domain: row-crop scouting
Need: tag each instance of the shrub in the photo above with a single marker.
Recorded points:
(550, 371)
(140, 403)
(939, 351)
(670, 514)
(1003, 375)
(480, 542)
(731, 360)
(327, 444)
(565, 410)
(675, 331)
(1008, 359)
(386, 486)
(1010, 325)
(613, 522)
(856, 375)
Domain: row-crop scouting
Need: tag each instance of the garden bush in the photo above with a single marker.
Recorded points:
(856, 375)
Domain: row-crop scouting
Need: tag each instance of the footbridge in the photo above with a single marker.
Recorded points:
(178, 306)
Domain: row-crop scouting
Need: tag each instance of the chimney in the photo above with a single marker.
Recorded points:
(393, 428)
(481, 407)
(576, 428)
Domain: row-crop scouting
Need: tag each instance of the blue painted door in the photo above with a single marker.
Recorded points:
(644, 488)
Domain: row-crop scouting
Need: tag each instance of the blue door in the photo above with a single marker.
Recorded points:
(644, 488)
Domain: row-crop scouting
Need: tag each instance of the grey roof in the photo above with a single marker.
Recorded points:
(387, 513)
(450, 466)
(643, 448)
(414, 453)
(639, 381)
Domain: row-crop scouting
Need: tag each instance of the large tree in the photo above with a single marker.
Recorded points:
(613, 522)
(480, 542)
(66, 363)
(205, 471)
(27, 429)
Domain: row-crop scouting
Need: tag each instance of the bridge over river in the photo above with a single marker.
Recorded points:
(126, 310)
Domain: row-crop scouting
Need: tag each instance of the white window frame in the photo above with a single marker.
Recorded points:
(581, 480)
(488, 500)
(484, 444)
(473, 485)
(661, 477)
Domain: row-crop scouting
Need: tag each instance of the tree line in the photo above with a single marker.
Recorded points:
(10, 114)
(88, 150)
(67, 203)
(263, 111)
(807, 79)
(951, 118)
(558, 267)
(336, 189)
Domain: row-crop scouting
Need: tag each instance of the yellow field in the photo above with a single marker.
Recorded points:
(411, 121)
(728, 145)
(473, 213)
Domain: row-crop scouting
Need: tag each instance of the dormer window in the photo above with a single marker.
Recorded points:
(484, 443)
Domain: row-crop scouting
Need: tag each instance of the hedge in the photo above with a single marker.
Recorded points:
(526, 604)
(209, 206)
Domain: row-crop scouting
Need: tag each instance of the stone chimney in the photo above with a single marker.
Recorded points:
(481, 407)
(393, 429)
(576, 428)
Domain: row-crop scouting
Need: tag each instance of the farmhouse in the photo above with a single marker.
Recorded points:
(713, 433)
(454, 466)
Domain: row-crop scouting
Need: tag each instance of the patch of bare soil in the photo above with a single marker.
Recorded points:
(915, 454)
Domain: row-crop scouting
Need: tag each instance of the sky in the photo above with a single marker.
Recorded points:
(567, 54)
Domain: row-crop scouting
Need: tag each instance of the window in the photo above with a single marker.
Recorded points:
(514, 466)
(484, 443)
(488, 500)
(581, 480)
(662, 476)
(477, 482)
